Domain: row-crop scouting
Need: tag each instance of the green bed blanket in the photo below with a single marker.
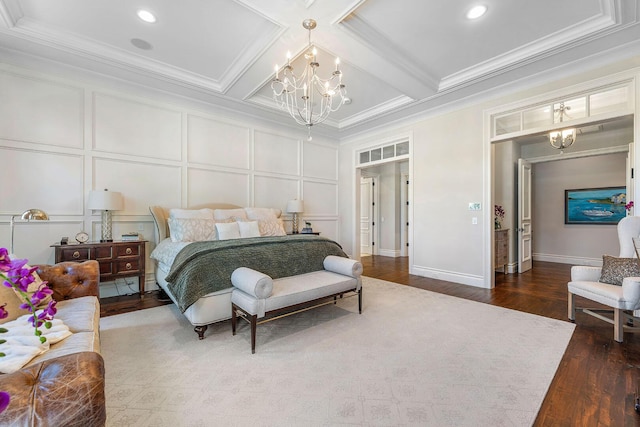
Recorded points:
(204, 267)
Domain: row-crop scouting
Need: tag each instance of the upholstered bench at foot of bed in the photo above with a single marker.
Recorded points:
(256, 295)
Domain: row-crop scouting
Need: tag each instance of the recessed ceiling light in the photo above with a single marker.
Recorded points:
(476, 11)
(147, 16)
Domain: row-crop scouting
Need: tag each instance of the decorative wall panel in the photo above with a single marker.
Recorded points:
(276, 154)
(40, 111)
(273, 192)
(141, 184)
(320, 198)
(35, 179)
(206, 186)
(129, 127)
(320, 161)
(216, 143)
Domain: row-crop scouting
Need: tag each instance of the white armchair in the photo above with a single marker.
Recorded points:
(622, 299)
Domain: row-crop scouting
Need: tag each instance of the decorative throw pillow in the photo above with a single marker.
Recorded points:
(191, 213)
(228, 230)
(248, 229)
(191, 229)
(615, 269)
(257, 214)
(273, 227)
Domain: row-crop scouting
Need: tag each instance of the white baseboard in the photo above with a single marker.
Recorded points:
(394, 253)
(566, 259)
(449, 276)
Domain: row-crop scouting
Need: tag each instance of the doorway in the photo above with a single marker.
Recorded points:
(599, 158)
(384, 209)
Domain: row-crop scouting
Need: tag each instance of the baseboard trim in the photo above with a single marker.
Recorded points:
(566, 259)
(449, 276)
(394, 253)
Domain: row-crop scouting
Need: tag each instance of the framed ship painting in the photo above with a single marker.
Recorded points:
(595, 205)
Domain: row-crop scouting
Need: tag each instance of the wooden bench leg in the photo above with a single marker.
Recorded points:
(254, 324)
(234, 319)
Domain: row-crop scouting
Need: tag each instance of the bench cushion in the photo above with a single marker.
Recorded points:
(289, 291)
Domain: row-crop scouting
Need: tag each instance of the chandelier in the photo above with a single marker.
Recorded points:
(308, 98)
(562, 138)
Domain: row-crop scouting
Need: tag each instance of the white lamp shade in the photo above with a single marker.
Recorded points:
(105, 200)
(295, 206)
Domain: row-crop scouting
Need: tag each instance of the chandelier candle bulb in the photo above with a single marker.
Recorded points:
(337, 64)
(277, 71)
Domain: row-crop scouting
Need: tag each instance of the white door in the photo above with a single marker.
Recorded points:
(525, 243)
(366, 216)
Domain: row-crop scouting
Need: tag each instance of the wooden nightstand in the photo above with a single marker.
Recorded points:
(117, 259)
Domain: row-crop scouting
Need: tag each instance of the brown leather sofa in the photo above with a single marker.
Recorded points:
(65, 385)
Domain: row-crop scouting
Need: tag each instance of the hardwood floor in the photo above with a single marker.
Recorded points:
(596, 381)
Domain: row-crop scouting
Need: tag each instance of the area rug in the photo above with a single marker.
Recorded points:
(412, 358)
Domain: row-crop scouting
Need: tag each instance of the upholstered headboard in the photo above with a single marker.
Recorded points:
(161, 215)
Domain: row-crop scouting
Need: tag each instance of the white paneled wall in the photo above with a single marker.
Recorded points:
(61, 139)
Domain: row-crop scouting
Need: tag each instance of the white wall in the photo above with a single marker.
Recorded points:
(555, 241)
(60, 138)
(450, 169)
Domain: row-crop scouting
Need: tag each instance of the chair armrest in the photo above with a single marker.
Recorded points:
(252, 282)
(72, 279)
(584, 273)
(341, 265)
(631, 292)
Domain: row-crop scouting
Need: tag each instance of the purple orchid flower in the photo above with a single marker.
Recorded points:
(5, 398)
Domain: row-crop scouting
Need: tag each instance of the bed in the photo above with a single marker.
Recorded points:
(194, 265)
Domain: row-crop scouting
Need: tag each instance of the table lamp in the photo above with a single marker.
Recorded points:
(295, 207)
(35, 214)
(105, 201)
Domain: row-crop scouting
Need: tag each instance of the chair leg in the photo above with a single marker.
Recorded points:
(572, 306)
(618, 329)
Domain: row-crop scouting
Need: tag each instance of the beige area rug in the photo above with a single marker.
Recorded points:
(412, 358)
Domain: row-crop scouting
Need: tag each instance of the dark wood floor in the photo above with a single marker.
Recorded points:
(596, 381)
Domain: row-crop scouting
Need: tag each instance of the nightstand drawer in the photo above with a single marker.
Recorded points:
(74, 254)
(126, 251)
(120, 267)
(103, 252)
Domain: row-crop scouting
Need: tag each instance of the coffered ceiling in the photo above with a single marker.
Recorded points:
(398, 57)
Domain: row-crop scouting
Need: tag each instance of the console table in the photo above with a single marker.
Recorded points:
(501, 249)
(117, 259)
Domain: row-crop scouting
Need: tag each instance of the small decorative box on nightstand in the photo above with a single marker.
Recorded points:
(117, 259)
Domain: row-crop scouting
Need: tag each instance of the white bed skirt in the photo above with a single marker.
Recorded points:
(210, 308)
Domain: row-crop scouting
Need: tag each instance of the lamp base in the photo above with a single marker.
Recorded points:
(294, 228)
(106, 227)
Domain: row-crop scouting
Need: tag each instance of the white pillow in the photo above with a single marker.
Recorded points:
(248, 229)
(228, 230)
(191, 213)
(256, 214)
(221, 214)
(192, 229)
